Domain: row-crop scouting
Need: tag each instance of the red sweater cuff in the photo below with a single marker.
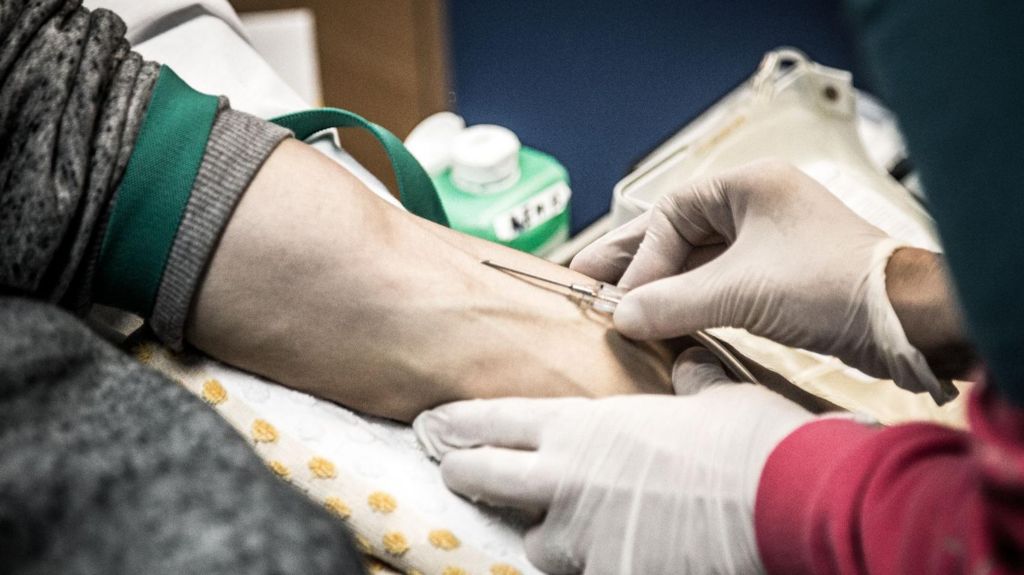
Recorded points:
(837, 497)
(798, 472)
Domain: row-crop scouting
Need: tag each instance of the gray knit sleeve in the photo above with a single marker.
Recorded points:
(73, 97)
(239, 145)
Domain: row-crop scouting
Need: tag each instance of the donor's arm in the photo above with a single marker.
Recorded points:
(321, 285)
(121, 185)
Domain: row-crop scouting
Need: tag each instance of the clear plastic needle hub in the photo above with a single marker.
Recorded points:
(602, 297)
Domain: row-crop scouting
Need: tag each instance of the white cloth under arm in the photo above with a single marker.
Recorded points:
(207, 48)
(144, 17)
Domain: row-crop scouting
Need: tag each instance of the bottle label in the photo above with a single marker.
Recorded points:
(537, 210)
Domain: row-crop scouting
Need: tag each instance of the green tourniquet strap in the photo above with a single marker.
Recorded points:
(415, 188)
(151, 199)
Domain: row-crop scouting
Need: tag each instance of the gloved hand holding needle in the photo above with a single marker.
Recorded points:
(648, 484)
(793, 265)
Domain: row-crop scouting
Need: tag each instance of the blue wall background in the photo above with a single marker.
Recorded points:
(599, 83)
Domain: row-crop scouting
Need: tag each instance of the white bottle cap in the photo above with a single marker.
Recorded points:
(431, 141)
(485, 159)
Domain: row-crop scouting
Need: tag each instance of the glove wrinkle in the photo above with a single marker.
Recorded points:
(799, 268)
(631, 484)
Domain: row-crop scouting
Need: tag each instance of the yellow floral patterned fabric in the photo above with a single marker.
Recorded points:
(398, 535)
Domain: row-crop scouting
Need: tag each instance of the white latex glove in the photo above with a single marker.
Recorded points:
(629, 484)
(788, 261)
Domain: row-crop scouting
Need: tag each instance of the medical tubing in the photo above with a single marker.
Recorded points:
(151, 200)
(415, 188)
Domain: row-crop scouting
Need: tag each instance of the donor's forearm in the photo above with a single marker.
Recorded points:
(324, 287)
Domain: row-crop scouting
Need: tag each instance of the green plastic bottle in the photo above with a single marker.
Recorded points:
(496, 189)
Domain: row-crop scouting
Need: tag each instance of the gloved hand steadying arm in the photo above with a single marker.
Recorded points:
(630, 484)
(788, 261)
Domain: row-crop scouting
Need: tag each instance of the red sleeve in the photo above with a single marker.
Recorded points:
(838, 497)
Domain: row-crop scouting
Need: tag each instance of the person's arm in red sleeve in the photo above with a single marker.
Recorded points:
(951, 71)
(839, 497)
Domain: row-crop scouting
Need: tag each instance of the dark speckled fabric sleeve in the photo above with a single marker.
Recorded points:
(111, 468)
(72, 98)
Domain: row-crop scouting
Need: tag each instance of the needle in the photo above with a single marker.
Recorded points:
(489, 263)
(605, 298)
(602, 297)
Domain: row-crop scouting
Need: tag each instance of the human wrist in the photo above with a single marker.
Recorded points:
(802, 485)
(768, 419)
(917, 287)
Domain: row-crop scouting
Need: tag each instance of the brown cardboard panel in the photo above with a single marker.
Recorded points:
(386, 60)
